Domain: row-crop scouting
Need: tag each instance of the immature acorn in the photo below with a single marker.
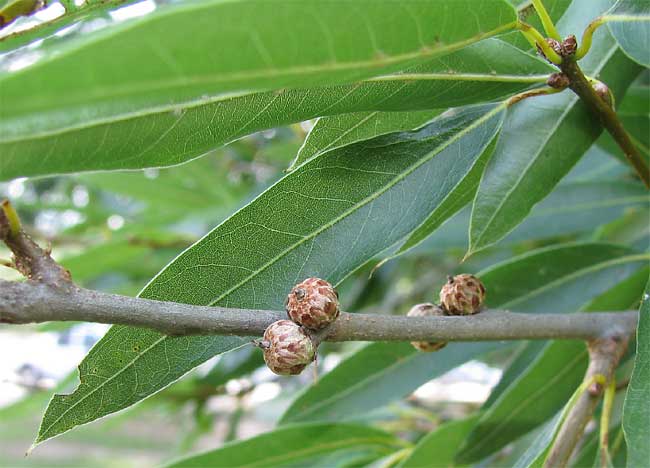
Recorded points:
(462, 295)
(287, 348)
(314, 304)
(427, 310)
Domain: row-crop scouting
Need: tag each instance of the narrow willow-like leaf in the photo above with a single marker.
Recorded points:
(184, 59)
(581, 271)
(170, 134)
(480, 72)
(636, 413)
(520, 362)
(629, 22)
(542, 139)
(538, 392)
(374, 376)
(439, 446)
(302, 226)
(299, 445)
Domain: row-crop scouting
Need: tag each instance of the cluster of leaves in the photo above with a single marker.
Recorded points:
(417, 153)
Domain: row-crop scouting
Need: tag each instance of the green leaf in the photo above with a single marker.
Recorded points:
(636, 413)
(593, 194)
(440, 446)
(265, 249)
(537, 393)
(183, 90)
(559, 279)
(299, 445)
(519, 364)
(374, 376)
(579, 207)
(536, 453)
(542, 138)
(484, 71)
(629, 22)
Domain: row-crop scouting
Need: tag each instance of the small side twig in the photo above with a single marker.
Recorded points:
(604, 356)
(29, 258)
(581, 86)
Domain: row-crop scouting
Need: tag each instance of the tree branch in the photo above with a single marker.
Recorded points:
(34, 302)
(604, 356)
(605, 113)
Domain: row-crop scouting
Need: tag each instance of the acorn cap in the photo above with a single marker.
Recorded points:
(462, 295)
(287, 348)
(314, 304)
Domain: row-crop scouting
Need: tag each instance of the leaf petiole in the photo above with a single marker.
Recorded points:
(547, 22)
(587, 36)
(535, 38)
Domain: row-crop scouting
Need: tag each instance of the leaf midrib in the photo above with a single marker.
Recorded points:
(591, 205)
(164, 109)
(577, 274)
(297, 454)
(294, 71)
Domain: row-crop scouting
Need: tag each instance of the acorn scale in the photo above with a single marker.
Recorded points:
(287, 348)
(462, 295)
(314, 304)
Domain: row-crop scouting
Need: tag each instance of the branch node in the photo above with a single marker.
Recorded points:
(558, 81)
(29, 258)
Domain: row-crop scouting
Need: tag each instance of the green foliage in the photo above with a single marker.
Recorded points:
(166, 101)
(374, 376)
(629, 22)
(425, 150)
(299, 444)
(636, 416)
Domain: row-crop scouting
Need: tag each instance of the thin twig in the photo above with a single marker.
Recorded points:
(28, 257)
(604, 355)
(581, 86)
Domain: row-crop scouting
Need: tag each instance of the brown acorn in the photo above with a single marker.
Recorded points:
(427, 310)
(462, 295)
(287, 348)
(314, 304)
